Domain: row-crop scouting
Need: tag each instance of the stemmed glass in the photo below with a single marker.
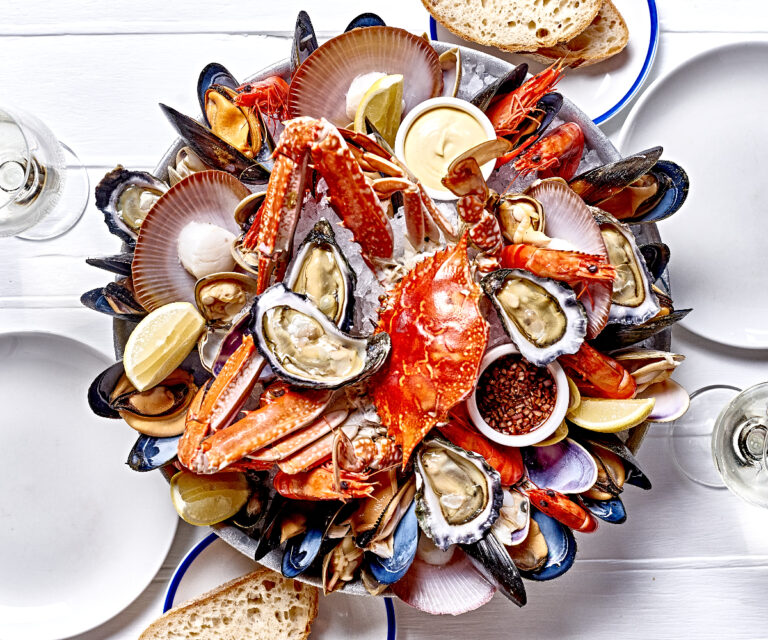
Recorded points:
(43, 186)
(730, 426)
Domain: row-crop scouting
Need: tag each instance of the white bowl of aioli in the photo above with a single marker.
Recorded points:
(437, 131)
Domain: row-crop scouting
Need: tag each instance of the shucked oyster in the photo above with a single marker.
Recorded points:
(321, 272)
(458, 495)
(305, 348)
(543, 317)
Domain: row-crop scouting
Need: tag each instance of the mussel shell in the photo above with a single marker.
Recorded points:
(119, 264)
(365, 20)
(212, 150)
(96, 299)
(673, 191)
(595, 441)
(304, 41)
(492, 560)
(319, 86)
(501, 86)
(376, 348)
(656, 256)
(428, 509)
(266, 530)
(539, 119)
(611, 511)
(561, 546)
(107, 195)
(571, 308)
(213, 73)
(406, 537)
(301, 551)
(602, 182)
(150, 453)
(101, 388)
(616, 336)
(322, 236)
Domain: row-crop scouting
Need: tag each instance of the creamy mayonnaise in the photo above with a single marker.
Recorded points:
(436, 138)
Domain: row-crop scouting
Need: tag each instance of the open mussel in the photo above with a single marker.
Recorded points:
(560, 548)
(632, 299)
(213, 74)
(638, 188)
(321, 272)
(539, 119)
(598, 443)
(305, 348)
(542, 317)
(501, 86)
(458, 493)
(404, 542)
(125, 197)
(611, 510)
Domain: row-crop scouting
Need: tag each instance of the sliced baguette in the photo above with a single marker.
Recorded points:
(515, 25)
(606, 36)
(262, 605)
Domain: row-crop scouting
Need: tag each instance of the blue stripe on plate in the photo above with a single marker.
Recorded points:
(173, 586)
(653, 45)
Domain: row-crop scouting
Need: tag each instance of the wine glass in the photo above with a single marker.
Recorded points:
(730, 426)
(43, 186)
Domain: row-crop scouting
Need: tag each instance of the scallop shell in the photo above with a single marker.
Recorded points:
(320, 85)
(206, 197)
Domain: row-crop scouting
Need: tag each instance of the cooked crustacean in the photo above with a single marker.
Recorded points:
(359, 453)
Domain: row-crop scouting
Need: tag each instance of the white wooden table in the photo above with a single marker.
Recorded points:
(690, 562)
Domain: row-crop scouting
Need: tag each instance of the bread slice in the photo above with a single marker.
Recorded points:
(262, 605)
(603, 38)
(515, 25)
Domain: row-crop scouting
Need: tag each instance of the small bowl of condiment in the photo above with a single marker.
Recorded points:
(516, 403)
(434, 133)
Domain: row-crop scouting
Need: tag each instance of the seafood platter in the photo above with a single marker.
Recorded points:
(393, 317)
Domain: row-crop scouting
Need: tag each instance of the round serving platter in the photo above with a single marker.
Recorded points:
(595, 139)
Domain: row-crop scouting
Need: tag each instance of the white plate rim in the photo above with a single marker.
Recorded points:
(194, 552)
(629, 123)
(650, 56)
(164, 548)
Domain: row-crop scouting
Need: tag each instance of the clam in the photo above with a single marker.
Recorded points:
(450, 63)
(304, 41)
(458, 494)
(321, 272)
(599, 443)
(522, 220)
(125, 198)
(205, 198)
(186, 163)
(648, 366)
(672, 401)
(570, 224)
(320, 84)
(340, 564)
(514, 518)
(542, 317)
(632, 300)
(566, 467)
(222, 297)
(247, 209)
(305, 348)
(503, 85)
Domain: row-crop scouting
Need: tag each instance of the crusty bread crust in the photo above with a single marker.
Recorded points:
(606, 36)
(514, 25)
(262, 605)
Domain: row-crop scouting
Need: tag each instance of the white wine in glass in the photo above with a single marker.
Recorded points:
(43, 186)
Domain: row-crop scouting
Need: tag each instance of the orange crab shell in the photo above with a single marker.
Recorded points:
(438, 340)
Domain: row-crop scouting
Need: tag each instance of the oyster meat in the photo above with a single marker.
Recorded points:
(458, 494)
(305, 348)
(543, 317)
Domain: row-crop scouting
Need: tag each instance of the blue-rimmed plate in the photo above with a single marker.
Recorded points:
(603, 89)
(340, 617)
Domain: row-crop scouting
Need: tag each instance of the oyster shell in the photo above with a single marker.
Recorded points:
(321, 272)
(543, 317)
(632, 299)
(305, 348)
(125, 198)
(458, 495)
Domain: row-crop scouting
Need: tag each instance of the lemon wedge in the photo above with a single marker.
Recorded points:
(611, 416)
(382, 104)
(207, 499)
(160, 342)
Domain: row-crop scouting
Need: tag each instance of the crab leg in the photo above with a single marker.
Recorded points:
(350, 194)
(287, 411)
(215, 406)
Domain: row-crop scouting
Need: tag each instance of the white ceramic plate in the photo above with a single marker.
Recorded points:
(603, 89)
(82, 535)
(718, 239)
(340, 617)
